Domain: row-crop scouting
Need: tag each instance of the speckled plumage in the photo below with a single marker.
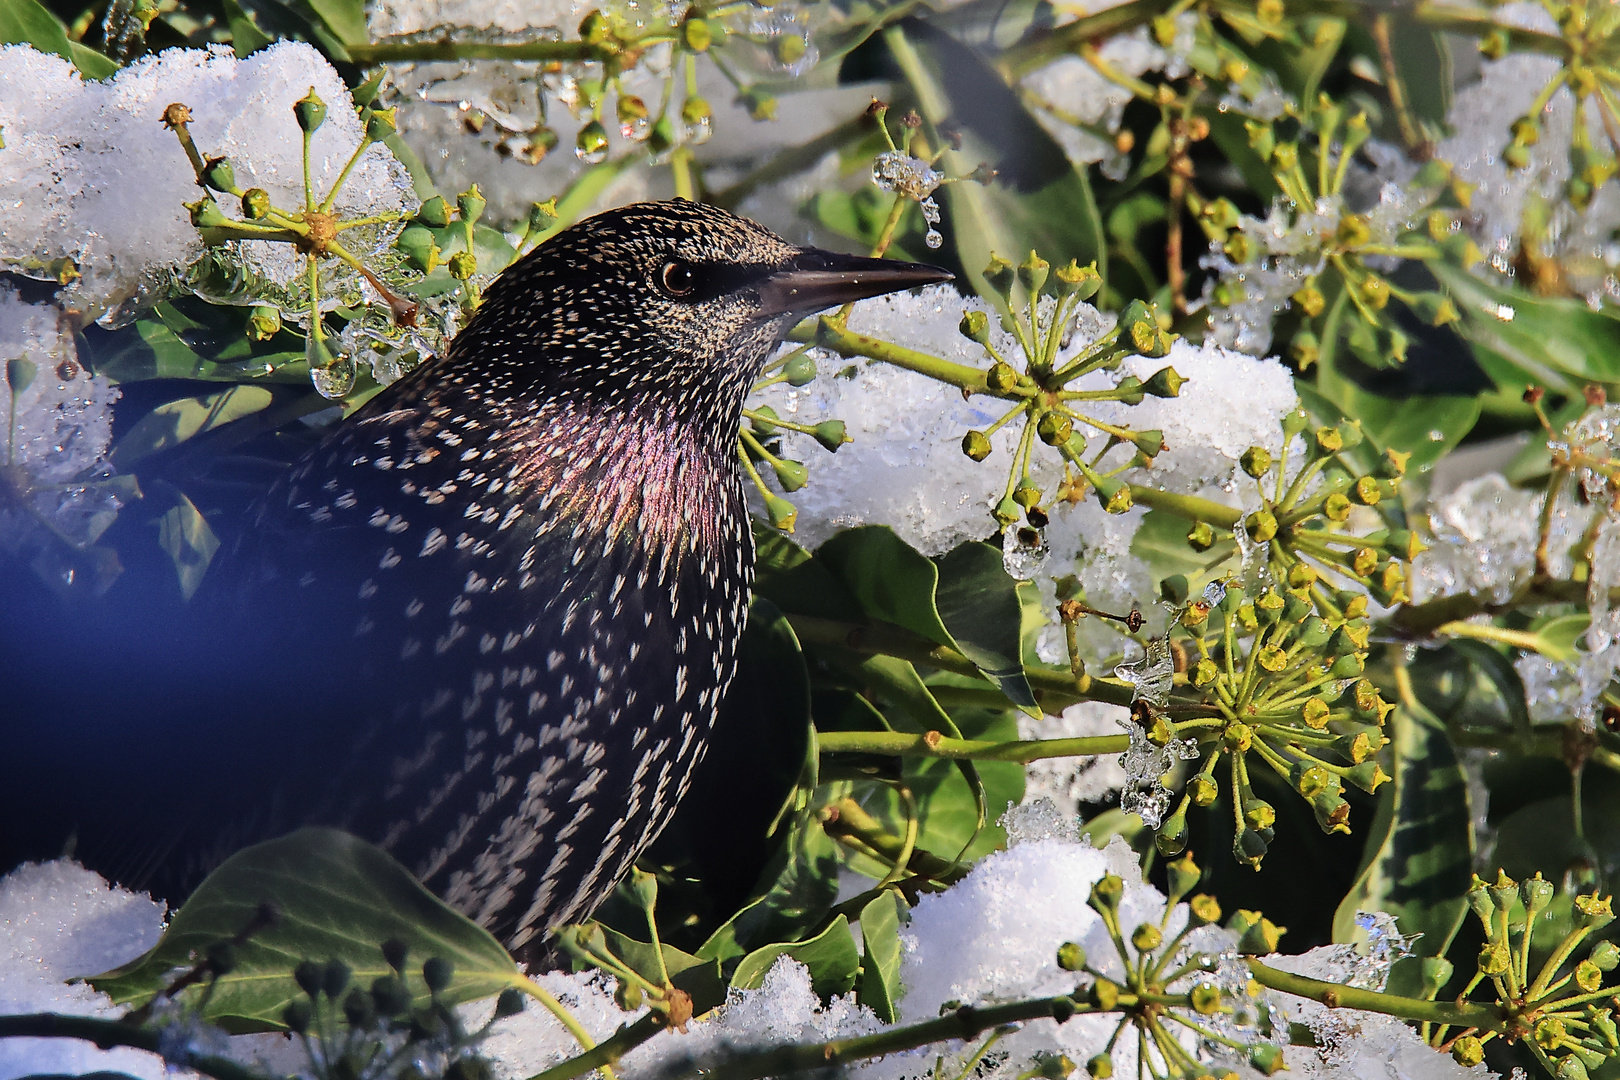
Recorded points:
(502, 602)
(546, 547)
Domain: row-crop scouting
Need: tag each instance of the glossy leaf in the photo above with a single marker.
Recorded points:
(879, 987)
(184, 533)
(830, 955)
(1038, 200)
(1419, 848)
(1557, 343)
(980, 607)
(339, 898)
(701, 979)
(172, 423)
(28, 22)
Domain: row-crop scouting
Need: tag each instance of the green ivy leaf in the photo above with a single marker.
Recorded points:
(701, 979)
(980, 608)
(1039, 200)
(879, 987)
(172, 423)
(339, 899)
(830, 955)
(1420, 846)
(184, 533)
(28, 22)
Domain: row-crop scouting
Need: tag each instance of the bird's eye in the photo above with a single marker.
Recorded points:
(676, 278)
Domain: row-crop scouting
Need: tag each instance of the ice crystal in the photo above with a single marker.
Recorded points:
(1484, 542)
(1151, 676)
(1038, 819)
(55, 427)
(1145, 765)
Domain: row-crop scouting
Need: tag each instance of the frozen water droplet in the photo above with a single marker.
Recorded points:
(1437, 436)
(335, 380)
(1023, 551)
(1152, 675)
(933, 239)
(697, 134)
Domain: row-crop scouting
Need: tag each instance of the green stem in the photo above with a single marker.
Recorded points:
(934, 745)
(342, 178)
(607, 1052)
(111, 1032)
(1337, 996)
(1054, 686)
(962, 1024)
(1190, 507)
(847, 344)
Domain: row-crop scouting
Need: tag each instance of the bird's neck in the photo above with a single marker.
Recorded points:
(639, 472)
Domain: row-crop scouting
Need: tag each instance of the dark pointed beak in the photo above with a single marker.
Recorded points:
(817, 279)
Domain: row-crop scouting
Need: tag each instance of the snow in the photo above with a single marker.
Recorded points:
(59, 921)
(102, 181)
(993, 937)
(1066, 783)
(55, 428)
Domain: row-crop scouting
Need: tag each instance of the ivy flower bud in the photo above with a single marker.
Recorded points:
(1081, 282)
(1200, 537)
(1266, 1059)
(419, 247)
(1100, 1067)
(1316, 713)
(435, 213)
(800, 370)
(976, 445)
(1468, 1051)
(1261, 526)
(310, 111)
(1203, 910)
(1054, 428)
(1001, 377)
(263, 322)
(999, 274)
(831, 434)
(1203, 789)
(206, 214)
(470, 205)
(255, 204)
(1588, 977)
(792, 475)
(1115, 495)
(697, 34)
(783, 514)
(219, 175)
(462, 265)
(381, 123)
(1032, 273)
(1164, 383)
(1606, 955)
(1107, 893)
(1593, 913)
(1310, 299)
(1257, 935)
(1256, 461)
(1504, 891)
(975, 326)
(1071, 956)
(591, 144)
(1147, 938)
(1535, 893)
(1142, 330)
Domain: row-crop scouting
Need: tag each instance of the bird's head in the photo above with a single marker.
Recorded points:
(665, 296)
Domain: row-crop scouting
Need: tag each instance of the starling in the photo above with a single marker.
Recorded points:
(487, 622)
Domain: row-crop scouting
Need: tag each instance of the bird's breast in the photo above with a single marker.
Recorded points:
(529, 619)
